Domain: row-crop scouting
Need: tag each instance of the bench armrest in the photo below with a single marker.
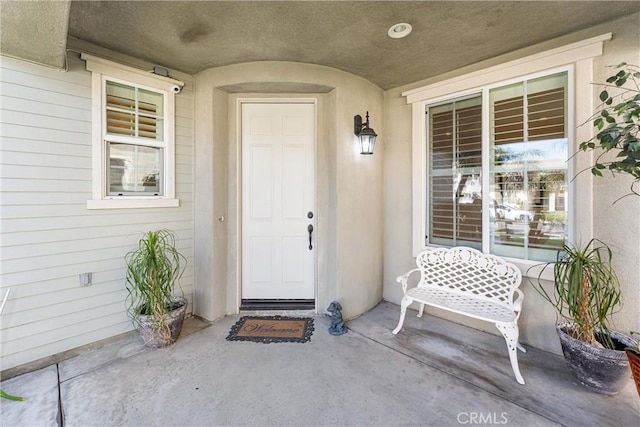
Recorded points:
(517, 304)
(404, 278)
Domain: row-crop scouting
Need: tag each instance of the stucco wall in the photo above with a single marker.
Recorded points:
(617, 224)
(349, 185)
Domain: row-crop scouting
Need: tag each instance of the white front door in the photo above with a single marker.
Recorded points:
(278, 201)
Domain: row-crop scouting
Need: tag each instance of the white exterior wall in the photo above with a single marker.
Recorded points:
(48, 237)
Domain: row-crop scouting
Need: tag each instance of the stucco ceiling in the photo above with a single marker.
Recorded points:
(348, 35)
(35, 31)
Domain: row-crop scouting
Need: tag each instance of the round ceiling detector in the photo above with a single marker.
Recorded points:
(399, 31)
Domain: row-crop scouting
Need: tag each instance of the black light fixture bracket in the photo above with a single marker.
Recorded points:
(357, 124)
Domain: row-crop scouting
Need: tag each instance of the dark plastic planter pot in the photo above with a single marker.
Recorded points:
(175, 320)
(603, 370)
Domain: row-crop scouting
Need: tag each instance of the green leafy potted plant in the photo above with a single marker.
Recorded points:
(154, 268)
(586, 292)
(618, 125)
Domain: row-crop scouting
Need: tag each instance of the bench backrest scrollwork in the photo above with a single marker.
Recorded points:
(469, 271)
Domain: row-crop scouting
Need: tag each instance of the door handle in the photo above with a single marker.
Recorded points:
(310, 230)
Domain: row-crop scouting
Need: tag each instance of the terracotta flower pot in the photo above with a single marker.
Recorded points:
(634, 363)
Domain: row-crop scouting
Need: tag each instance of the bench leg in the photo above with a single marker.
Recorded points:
(421, 311)
(511, 333)
(406, 302)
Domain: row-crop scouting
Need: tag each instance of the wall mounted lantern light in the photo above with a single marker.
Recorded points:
(365, 134)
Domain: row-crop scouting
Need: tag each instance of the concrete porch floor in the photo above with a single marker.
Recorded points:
(433, 372)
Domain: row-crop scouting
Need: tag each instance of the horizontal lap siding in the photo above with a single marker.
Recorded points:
(47, 236)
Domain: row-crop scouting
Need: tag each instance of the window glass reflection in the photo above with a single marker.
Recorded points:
(134, 169)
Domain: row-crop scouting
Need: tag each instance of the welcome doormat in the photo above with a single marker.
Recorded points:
(272, 329)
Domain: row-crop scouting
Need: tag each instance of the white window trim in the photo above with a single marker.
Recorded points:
(577, 56)
(100, 69)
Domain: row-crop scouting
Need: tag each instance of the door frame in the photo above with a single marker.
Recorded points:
(270, 99)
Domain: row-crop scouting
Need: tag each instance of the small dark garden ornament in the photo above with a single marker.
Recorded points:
(337, 324)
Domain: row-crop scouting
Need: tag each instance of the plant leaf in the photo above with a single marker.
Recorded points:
(5, 395)
(604, 95)
(598, 123)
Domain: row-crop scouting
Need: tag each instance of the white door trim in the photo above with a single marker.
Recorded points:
(238, 133)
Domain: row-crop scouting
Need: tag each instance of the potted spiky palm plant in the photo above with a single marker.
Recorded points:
(154, 268)
(586, 293)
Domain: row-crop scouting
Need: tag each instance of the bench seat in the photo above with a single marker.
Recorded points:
(460, 303)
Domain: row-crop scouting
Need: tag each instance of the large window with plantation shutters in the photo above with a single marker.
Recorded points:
(497, 169)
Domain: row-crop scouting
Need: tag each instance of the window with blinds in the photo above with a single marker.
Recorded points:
(134, 139)
(528, 167)
(545, 113)
(523, 183)
(455, 169)
(133, 136)
(121, 119)
(132, 111)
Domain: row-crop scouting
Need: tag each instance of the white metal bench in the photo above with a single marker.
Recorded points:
(468, 282)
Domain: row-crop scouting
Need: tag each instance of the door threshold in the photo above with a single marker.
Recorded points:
(277, 304)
